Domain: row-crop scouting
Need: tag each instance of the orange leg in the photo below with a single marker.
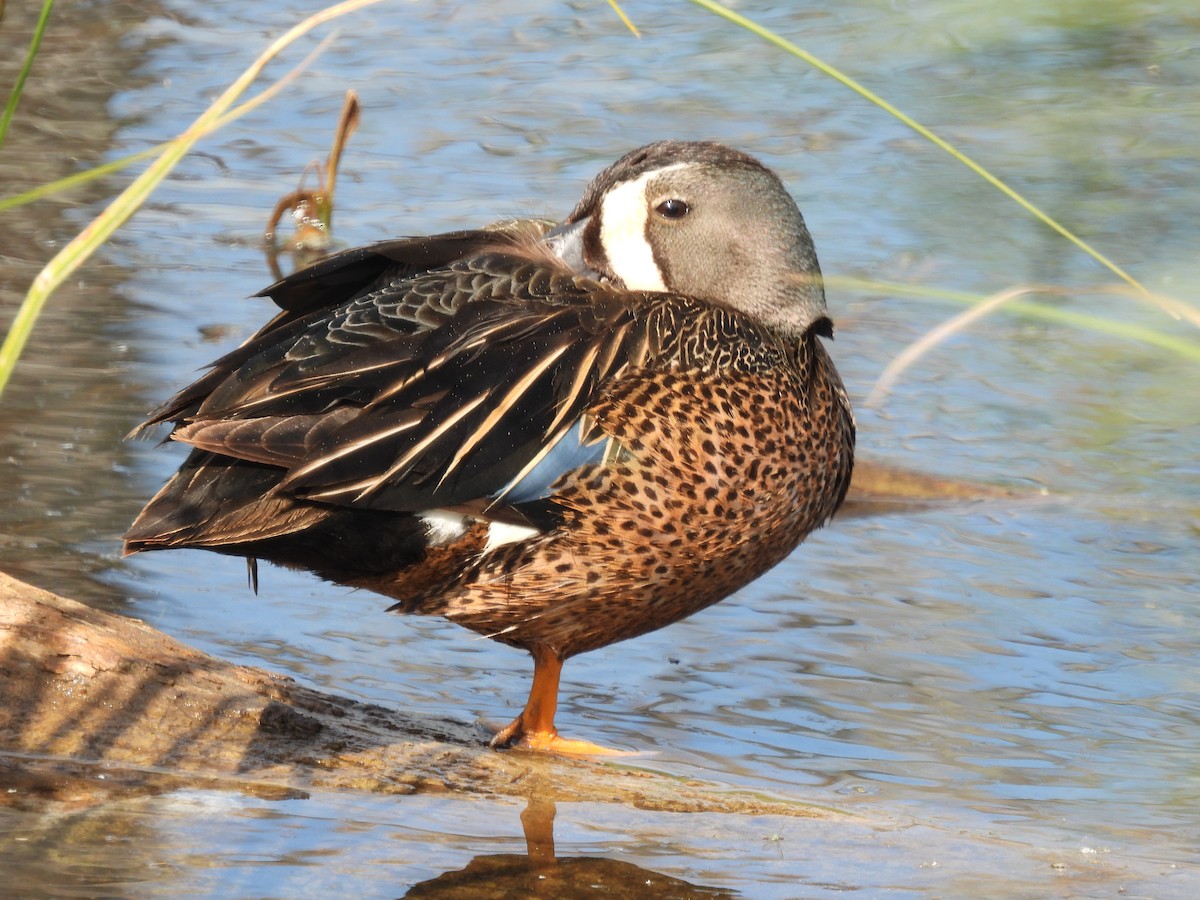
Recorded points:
(537, 821)
(534, 728)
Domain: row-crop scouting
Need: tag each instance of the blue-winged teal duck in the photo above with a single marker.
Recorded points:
(556, 437)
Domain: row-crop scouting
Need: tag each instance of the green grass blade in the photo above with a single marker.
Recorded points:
(14, 98)
(131, 199)
(78, 179)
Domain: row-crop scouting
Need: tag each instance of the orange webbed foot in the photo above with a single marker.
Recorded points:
(534, 728)
(514, 736)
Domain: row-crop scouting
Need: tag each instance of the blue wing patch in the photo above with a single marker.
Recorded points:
(570, 451)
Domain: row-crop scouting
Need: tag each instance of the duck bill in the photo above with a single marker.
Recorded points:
(566, 242)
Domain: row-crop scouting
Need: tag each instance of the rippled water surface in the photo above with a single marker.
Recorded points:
(1005, 693)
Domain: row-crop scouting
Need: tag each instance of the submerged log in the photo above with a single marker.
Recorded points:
(88, 695)
(878, 488)
(83, 688)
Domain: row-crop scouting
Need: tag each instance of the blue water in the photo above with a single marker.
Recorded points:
(1006, 688)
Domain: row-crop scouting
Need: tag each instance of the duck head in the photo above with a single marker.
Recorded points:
(704, 220)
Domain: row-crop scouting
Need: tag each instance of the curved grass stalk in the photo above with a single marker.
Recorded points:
(982, 306)
(822, 66)
(624, 18)
(935, 336)
(14, 98)
(1188, 349)
(131, 199)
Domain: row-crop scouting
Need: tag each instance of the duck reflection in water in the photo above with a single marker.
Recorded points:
(539, 873)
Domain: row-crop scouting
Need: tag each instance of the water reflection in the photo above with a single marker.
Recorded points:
(539, 872)
(73, 829)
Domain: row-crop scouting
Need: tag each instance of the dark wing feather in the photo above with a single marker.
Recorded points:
(343, 276)
(364, 412)
(358, 296)
(268, 439)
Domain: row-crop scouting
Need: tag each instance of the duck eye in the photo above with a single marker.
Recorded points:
(673, 209)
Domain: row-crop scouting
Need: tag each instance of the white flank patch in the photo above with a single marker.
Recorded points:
(501, 533)
(444, 527)
(623, 215)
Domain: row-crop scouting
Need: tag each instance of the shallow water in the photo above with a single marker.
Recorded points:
(1006, 689)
